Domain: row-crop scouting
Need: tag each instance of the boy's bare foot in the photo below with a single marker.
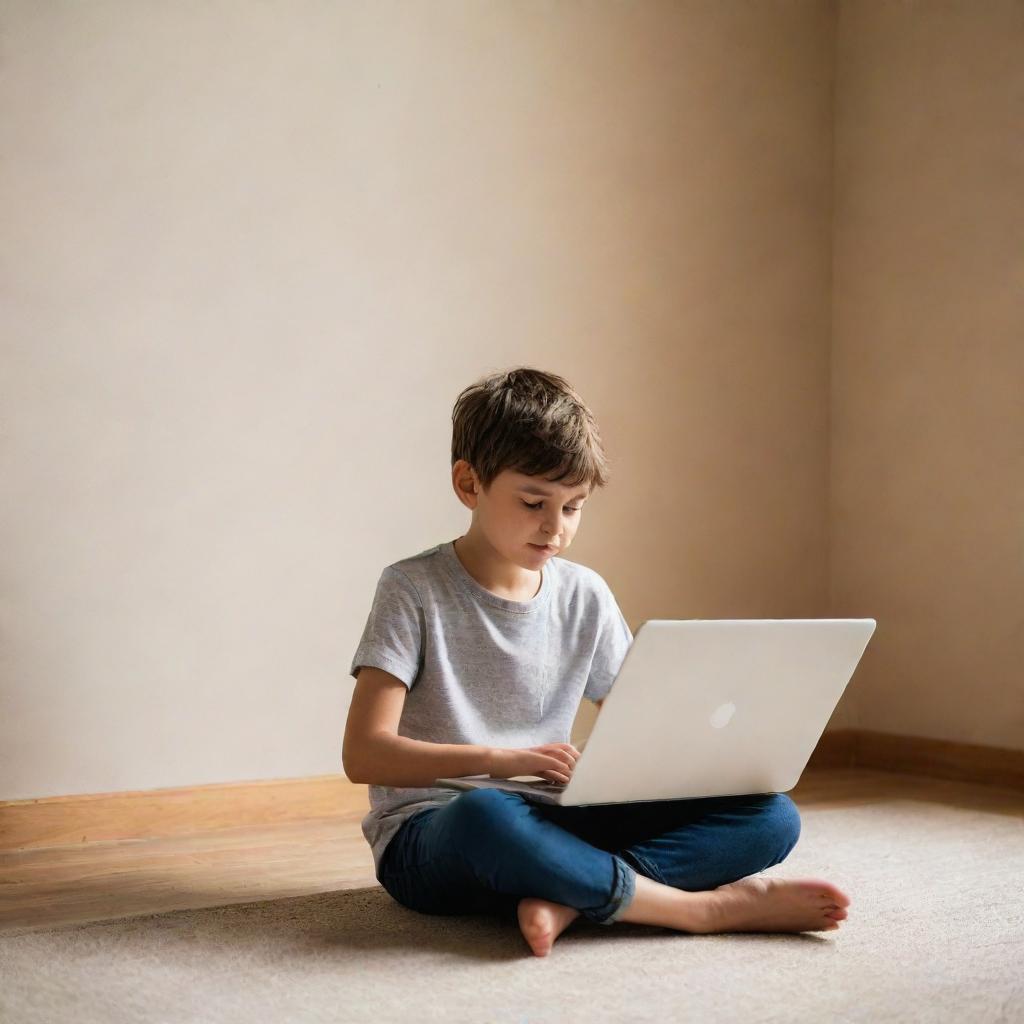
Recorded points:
(541, 922)
(773, 905)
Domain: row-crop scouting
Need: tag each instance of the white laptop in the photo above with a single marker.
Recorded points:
(707, 707)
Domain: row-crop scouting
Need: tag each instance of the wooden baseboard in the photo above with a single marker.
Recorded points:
(917, 755)
(161, 813)
(116, 817)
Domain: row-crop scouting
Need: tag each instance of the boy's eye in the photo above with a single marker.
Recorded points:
(569, 508)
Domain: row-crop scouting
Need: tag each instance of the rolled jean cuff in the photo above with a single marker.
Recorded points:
(623, 890)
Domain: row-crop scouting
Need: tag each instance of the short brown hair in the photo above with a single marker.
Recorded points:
(531, 422)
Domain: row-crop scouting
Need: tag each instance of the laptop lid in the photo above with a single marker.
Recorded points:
(716, 707)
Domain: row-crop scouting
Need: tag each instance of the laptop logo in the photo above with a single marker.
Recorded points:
(723, 715)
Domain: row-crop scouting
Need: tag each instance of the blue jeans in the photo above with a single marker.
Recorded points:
(486, 849)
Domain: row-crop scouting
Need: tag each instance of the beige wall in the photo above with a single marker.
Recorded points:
(927, 494)
(252, 253)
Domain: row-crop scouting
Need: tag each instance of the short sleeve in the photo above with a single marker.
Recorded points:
(393, 637)
(613, 641)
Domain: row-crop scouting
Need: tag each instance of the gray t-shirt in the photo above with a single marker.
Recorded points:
(482, 669)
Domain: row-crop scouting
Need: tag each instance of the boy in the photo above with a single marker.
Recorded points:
(474, 658)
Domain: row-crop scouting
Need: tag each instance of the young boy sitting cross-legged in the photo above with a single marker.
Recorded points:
(474, 659)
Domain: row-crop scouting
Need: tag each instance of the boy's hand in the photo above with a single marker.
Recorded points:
(552, 761)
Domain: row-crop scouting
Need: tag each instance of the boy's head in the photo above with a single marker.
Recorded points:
(526, 454)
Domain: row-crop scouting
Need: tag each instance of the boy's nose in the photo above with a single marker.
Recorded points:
(553, 529)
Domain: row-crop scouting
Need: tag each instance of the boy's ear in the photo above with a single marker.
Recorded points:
(465, 483)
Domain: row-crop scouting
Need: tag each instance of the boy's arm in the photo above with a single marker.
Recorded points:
(374, 754)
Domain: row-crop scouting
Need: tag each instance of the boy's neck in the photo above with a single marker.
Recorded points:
(494, 573)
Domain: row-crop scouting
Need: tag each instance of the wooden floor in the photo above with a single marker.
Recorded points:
(105, 880)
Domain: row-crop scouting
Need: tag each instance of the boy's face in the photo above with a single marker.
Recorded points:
(527, 518)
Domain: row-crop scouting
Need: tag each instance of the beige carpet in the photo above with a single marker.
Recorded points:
(935, 933)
